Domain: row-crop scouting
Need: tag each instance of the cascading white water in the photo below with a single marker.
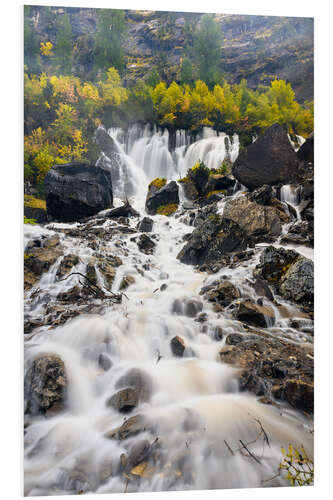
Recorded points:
(195, 405)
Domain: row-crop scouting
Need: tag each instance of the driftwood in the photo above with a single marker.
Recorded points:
(96, 291)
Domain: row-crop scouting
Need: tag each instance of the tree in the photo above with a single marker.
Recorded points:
(63, 49)
(186, 72)
(153, 77)
(207, 46)
(31, 44)
(108, 41)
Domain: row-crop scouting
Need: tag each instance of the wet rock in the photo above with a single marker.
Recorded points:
(234, 339)
(126, 210)
(259, 222)
(161, 197)
(262, 195)
(35, 213)
(190, 191)
(45, 384)
(224, 293)
(274, 262)
(124, 401)
(272, 367)
(199, 175)
(163, 287)
(187, 307)
(71, 295)
(139, 452)
(146, 244)
(38, 261)
(105, 142)
(177, 346)
(108, 271)
(66, 265)
(76, 190)
(139, 380)
(269, 160)
(104, 362)
(202, 318)
(262, 289)
(131, 427)
(146, 225)
(306, 151)
(91, 271)
(297, 283)
(211, 240)
(254, 314)
(126, 282)
(217, 182)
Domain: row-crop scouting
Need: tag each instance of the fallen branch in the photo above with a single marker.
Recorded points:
(96, 290)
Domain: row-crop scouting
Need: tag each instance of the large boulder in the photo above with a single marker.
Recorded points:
(269, 160)
(257, 221)
(224, 293)
(306, 151)
(77, 190)
(161, 196)
(211, 240)
(105, 142)
(291, 274)
(45, 385)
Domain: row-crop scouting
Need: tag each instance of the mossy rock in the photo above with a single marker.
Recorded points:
(158, 183)
(34, 210)
(167, 210)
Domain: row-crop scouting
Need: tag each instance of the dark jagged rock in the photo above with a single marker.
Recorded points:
(146, 225)
(217, 182)
(262, 195)
(224, 293)
(273, 367)
(259, 222)
(210, 241)
(45, 385)
(177, 346)
(254, 314)
(163, 197)
(190, 191)
(146, 244)
(139, 380)
(124, 211)
(124, 401)
(306, 151)
(269, 160)
(199, 175)
(76, 190)
(291, 274)
(105, 142)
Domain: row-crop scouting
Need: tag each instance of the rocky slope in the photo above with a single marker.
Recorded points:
(258, 48)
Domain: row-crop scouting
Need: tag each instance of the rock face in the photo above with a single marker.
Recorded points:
(269, 160)
(76, 190)
(254, 314)
(158, 198)
(306, 151)
(258, 221)
(273, 368)
(45, 385)
(105, 142)
(291, 274)
(224, 293)
(211, 240)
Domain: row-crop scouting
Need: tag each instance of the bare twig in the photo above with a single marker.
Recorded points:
(249, 452)
(231, 451)
(96, 290)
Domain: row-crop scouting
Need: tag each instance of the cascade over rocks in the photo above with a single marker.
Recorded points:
(259, 222)
(45, 385)
(157, 197)
(124, 401)
(76, 190)
(269, 160)
(211, 240)
(224, 293)
(105, 142)
(254, 314)
(139, 380)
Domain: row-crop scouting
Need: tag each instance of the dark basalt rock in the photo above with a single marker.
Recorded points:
(38, 214)
(124, 211)
(262, 195)
(146, 225)
(306, 151)
(105, 142)
(269, 160)
(224, 293)
(76, 190)
(177, 346)
(156, 198)
(45, 385)
(218, 182)
(146, 244)
(211, 240)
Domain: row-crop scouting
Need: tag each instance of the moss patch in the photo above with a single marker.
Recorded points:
(158, 183)
(32, 202)
(167, 209)
(29, 221)
(217, 191)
